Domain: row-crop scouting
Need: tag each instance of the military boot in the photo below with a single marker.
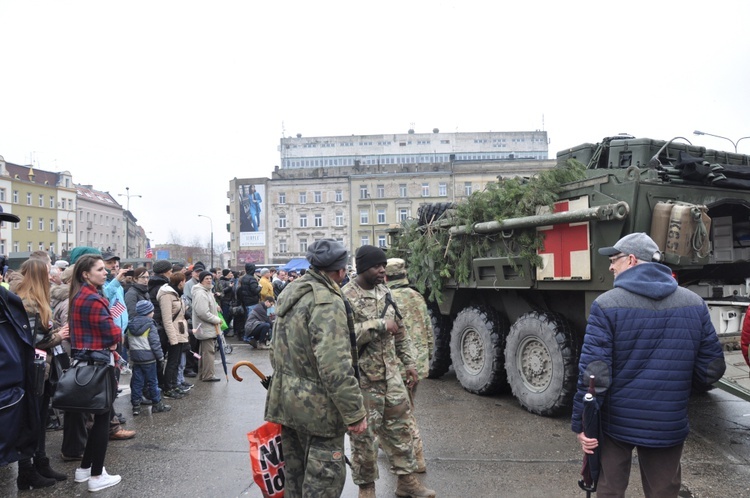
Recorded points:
(367, 490)
(419, 457)
(409, 486)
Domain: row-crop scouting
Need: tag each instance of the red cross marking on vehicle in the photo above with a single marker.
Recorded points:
(561, 240)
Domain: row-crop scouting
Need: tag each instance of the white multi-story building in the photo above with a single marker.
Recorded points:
(352, 188)
(100, 220)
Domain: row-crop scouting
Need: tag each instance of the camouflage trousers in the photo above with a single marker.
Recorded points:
(314, 466)
(389, 424)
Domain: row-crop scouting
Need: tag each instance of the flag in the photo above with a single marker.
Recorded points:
(149, 252)
(117, 309)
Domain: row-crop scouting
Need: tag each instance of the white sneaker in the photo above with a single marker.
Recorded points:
(103, 481)
(82, 475)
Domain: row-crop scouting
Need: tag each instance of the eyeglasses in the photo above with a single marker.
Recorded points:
(612, 260)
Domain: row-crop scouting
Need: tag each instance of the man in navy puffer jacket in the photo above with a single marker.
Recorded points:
(649, 343)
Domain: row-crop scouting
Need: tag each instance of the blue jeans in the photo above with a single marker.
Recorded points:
(144, 373)
(261, 332)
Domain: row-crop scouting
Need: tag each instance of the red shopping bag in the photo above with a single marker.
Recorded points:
(267, 459)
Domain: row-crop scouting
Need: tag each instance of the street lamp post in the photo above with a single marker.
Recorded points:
(127, 220)
(212, 236)
(67, 229)
(733, 142)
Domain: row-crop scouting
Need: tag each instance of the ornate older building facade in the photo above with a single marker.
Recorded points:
(352, 188)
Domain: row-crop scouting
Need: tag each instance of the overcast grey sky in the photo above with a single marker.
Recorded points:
(175, 98)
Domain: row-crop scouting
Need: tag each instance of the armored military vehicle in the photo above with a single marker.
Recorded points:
(513, 321)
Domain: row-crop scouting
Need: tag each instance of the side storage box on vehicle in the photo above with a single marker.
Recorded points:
(639, 151)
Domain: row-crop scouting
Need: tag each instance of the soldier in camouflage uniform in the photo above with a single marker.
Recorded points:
(314, 393)
(382, 342)
(419, 329)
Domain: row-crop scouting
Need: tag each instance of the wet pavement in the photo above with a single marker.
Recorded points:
(475, 446)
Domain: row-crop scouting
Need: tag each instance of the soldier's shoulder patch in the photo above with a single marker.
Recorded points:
(336, 455)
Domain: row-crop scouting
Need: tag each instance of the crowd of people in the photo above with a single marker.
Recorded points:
(158, 325)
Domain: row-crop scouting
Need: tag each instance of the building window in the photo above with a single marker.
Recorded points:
(339, 219)
(339, 196)
(303, 245)
(402, 190)
(364, 240)
(425, 189)
(28, 223)
(28, 246)
(282, 198)
(317, 197)
(381, 216)
(16, 247)
(282, 221)
(15, 197)
(363, 193)
(70, 225)
(442, 189)
(41, 200)
(70, 204)
(467, 189)
(318, 220)
(2, 198)
(28, 198)
(364, 217)
(381, 191)
(282, 246)
(381, 241)
(51, 202)
(303, 221)
(403, 214)
(303, 197)
(17, 225)
(52, 225)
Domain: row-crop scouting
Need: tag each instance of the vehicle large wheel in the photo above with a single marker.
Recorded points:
(477, 342)
(541, 361)
(429, 213)
(441, 353)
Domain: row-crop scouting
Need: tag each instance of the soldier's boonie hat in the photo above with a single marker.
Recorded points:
(395, 266)
(638, 244)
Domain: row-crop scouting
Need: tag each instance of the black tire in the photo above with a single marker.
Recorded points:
(541, 361)
(430, 213)
(441, 353)
(477, 343)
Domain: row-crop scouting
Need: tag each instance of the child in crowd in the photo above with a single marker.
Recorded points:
(145, 352)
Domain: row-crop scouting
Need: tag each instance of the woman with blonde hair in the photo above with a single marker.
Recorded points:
(34, 291)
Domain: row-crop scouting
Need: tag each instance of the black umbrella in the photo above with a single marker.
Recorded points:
(220, 341)
(591, 421)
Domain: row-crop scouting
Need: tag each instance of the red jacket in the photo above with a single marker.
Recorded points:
(745, 340)
(91, 325)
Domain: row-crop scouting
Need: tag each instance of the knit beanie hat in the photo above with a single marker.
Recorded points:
(203, 275)
(327, 255)
(225, 272)
(249, 268)
(143, 308)
(77, 252)
(369, 256)
(162, 266)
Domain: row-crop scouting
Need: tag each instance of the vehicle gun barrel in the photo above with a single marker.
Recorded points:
(607, 212)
